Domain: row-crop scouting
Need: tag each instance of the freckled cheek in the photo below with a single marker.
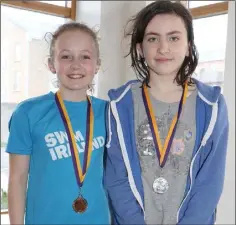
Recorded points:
(62, 66)
(150, 53)
(90, 68)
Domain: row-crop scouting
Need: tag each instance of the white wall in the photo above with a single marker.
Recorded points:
(89, 12)
(226, 208)
(115, 69)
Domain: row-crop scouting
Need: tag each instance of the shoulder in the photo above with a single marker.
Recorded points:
(118, 93)
(99, 105)
(222, 118)
(98, 101)
(35, 102)
(209, 94)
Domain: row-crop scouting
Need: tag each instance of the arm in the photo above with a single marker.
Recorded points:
(19, 147)
(18, 177)
(124, 206)
(209, 182)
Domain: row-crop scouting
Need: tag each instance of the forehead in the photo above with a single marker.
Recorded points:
(164, 23)
(75, 40)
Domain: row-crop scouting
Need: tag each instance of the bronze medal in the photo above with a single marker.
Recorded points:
(80, 205)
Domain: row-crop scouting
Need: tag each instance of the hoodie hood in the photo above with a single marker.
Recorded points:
(207, 93)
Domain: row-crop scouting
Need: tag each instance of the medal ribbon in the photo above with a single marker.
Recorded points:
(162, 151)
(80, 175)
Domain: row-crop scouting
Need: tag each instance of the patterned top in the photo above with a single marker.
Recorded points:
(162, 208)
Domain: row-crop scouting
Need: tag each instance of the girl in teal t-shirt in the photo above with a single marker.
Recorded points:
(56, 141)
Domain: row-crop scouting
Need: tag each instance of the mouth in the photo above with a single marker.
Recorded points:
(163, 60)
(76, 76)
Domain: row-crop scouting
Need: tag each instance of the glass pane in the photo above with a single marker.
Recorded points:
(210, 39)
(24, 71)
(59, 3)
(194, 4)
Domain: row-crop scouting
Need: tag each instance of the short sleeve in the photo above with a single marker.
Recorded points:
(19, 141)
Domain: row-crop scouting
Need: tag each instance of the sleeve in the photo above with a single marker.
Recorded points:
(19, 140)
(123, 205)
(209, 182)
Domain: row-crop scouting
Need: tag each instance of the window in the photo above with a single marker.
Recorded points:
(3, 70)
(200, 9)
(65, 9)
(22, 41)
(16, 81)
(17, 52)
(60, 3)
(194, 4)
(211, 47)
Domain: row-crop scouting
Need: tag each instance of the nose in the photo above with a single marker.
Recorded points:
(163, 47)
(75, 64)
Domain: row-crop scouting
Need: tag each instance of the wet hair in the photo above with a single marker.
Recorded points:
(72, 26)
(137, 31)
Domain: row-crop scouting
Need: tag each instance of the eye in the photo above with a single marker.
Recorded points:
(86, 57)
(174, 38)
(152, 39)
(66, 57)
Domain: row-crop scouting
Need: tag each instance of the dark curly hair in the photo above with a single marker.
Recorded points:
(137, 30)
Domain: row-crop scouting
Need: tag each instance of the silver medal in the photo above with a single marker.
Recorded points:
(160, 185)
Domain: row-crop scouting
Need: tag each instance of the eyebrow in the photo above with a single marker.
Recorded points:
(169, 33)
(67, 50)
(86, 51)
(64, 50)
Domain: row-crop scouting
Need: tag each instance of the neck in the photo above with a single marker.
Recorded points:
(73, 95)
(163, 84)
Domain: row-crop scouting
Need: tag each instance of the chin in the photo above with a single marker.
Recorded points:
(77, 87)
(164, 71)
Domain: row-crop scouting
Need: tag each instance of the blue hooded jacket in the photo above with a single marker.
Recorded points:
(206, 174)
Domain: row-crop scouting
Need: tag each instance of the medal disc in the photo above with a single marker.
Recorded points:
(80, 205)
(160, 185)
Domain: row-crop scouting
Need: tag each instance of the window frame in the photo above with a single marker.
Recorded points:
(45, 8)
(198, 12)
(210, 10)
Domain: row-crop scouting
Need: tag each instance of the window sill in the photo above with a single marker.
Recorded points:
(4, 211)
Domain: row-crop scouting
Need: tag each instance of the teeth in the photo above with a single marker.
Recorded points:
(76, 76)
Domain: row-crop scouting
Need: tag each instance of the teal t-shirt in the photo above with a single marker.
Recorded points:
(36, 129)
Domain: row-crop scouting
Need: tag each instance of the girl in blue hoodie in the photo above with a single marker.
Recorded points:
(167, 132)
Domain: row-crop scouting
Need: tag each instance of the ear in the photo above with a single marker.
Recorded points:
(51, 66)
(139, 50)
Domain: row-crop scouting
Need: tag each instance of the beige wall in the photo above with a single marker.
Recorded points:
(39, 74)
(35, 77)
(11, 36)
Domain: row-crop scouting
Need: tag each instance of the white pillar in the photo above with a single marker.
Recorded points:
(89, 13)
(226, 207)
(115, 69)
